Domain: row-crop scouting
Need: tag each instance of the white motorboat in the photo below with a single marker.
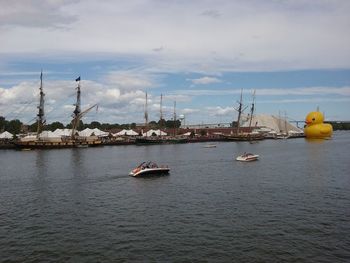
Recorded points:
(210, 146)
(247, 157)
(149, 168)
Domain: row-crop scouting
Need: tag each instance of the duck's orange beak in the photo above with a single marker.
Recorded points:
(308, 122)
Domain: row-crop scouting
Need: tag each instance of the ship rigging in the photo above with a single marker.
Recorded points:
(61, 141)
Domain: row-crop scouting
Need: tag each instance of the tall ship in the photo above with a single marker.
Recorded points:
(244, 136)
(72, 140)
(159, 139)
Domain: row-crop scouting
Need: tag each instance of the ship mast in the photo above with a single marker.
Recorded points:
(240, 105)
(77, 110)
(41, 113)
(252, 110)
(161, 114)
(146, 112)
(175, 118)
(161, 107)
(77, 113)
(285, 122)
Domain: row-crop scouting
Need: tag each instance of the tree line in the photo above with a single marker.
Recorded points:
(16, 126)
(337, 125)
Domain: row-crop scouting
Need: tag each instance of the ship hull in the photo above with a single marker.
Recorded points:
(244, 137)
(150, 140)
(55, 145)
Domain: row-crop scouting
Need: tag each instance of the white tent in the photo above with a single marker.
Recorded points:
(49, 136)
(187, 134)
(62, 132)
(6, 135)
(156, 132)
(126, 132)
(93, 132)
(46, 134)
(99, 133)
(86, 132)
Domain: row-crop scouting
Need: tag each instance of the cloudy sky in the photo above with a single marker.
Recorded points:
(201, 54)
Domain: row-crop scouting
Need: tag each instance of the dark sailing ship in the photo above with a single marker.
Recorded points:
(244, 136)
(74, 140)
(159, 139)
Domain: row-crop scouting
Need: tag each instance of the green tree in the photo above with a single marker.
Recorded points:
(105, 126)
(2, 123)
(153, 124)
(55, 125)
(170, 124)
(32, 127)
(94, 124)
(79, 126)
(233, 124)
(14, 126)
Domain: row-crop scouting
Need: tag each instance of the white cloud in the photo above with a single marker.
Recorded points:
(125, 80)
(211, 13)
(307, 100)
(21, 101)
(120, 104)
(220, 111)
(205, 80)
(170, 98)
(316, 91)
(155, 37)
(35, 13)
(244, 36)
(187, 111)
(23, 73)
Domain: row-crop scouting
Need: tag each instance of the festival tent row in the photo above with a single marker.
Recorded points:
(134, 133)
(68, 132)
(59, 133)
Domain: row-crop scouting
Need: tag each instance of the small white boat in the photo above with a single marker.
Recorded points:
(210, 146)
(149, 168)
(247, 157)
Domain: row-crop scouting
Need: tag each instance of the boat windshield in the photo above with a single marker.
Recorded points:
(147, 165)
(151, 165)
(141, 165)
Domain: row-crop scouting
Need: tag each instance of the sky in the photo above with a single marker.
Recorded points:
(295, 55)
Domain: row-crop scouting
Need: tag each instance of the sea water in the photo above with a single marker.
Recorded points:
(80, 205)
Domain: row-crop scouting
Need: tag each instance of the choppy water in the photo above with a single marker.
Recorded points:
(79, 205)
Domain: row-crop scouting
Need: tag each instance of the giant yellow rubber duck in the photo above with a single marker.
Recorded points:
(315, 128)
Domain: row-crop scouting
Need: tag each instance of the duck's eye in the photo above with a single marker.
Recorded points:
(313, 119)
